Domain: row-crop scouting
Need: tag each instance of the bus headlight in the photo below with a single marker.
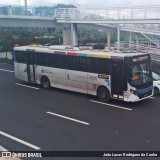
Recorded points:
(133, 92)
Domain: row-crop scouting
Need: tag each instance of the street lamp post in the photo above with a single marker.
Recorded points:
(79, 7)
(118, 38)
(25, 1)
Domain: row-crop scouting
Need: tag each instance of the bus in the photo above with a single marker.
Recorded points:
(102, 73)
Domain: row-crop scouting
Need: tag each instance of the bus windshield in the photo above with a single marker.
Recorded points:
(156, 77)
(140, 74)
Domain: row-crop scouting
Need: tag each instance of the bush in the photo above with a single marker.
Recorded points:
(4, 60)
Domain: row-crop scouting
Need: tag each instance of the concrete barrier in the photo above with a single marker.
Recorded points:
(7, 55)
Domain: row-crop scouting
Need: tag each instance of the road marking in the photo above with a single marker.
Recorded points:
(20, 141)
(6, 70)
(2, 149)
(107, 104)
(72, 119)
(26, 86)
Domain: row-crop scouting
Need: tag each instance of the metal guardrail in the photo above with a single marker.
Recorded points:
(15, 10)
(123, 13)
(144, 29)
(132, 13)
(142, 47)
(138, 45)
(148, 27)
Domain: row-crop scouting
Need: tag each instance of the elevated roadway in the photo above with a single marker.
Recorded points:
(26, 21)
(125, 15)
(108, 19)
(112, 21)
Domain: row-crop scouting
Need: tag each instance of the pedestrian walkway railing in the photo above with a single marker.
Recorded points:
(144, 47)
(120, 13)
(131, 13)
(15, 10)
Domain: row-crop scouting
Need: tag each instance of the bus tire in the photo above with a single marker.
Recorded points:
(45, 82)
(103, 94)
(156, 91)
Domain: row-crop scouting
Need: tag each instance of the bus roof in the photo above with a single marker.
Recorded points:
(78, 51)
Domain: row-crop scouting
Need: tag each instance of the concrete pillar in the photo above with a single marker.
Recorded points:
(74, 34)
(25, 3)
(118, 38)
(67, 36)
(108, 40)
(70, 35)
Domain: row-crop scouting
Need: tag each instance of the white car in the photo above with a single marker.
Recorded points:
(156, 83)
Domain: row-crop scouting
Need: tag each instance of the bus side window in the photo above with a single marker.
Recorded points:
(32, 58)
(58, 61)
(65, 62)
(84, 64)
(51, 60)
(71, 62)
(93, 65)
(104, 66)
(42, 60)
(68, 62)
(81, 63)
(21, 57)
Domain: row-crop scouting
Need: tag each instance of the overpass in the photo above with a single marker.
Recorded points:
(109, 19)
(124, 15)
(132, 16)
(26, 21)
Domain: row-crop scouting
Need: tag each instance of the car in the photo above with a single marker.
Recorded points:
(156, 83)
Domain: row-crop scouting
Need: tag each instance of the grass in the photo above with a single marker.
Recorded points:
(4, 60)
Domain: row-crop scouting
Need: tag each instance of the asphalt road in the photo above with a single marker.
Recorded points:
(58, 120)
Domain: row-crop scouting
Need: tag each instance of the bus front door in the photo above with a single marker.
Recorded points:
(30, 67)
(117, 80)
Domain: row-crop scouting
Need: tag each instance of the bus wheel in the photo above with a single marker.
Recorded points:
(45, 83)
(103, 94)
(156, 91)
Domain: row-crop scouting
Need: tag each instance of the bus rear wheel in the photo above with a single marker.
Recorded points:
(45, 83)
(156, 91)
(103, 94)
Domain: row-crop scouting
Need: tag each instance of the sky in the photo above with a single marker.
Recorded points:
(85, 3)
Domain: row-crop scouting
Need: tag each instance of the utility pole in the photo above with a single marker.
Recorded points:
(25, 1)
(79, 12)
(118, 38)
